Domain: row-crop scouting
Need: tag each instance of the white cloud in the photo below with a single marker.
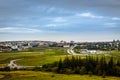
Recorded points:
(59, 19)
(115, 18)
(110, 25)
(19, 30)
(51, 25)
(88, 15)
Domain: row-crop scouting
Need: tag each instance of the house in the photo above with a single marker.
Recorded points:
(85, 51)
(66, 46)
(14, 47)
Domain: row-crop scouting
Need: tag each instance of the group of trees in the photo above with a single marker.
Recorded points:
(99, 46)
(89, 65)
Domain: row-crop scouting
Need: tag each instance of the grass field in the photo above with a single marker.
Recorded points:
(35, 58)
(31, 75)
(41, 56)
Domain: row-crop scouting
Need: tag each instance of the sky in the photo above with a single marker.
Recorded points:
(55, 20)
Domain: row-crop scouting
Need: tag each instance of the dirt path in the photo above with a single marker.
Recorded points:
(13, 65)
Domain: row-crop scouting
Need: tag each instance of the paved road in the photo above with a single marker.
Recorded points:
(12, 65)
(71, 51)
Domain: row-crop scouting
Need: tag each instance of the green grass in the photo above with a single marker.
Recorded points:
(58, 50)
(50, 54)
(29, 59)
(1, 76)
(37, 61)
(37, 57)
(31, 75)
(5, 58)
(115, 53)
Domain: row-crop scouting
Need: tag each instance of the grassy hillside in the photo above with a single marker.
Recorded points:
(31, 75)
(40, 56)
(37, 57)
(46, 55)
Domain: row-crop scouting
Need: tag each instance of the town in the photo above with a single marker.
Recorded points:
(21, 45)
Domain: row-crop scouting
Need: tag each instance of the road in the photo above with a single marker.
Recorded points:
(71, 51)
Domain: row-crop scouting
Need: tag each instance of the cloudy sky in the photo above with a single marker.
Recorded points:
(79, 20)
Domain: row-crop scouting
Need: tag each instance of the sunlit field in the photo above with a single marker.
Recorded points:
(37, 57)
(31, 75)
(41, 56)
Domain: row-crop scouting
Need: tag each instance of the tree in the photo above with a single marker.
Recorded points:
(66, 62)
(82, 70)
(7, 68)
(118, 62)
(90, 73)
(59, 65)
(104, 74)
(111, 62)
(110, 67)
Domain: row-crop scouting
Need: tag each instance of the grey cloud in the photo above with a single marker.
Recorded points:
(15, 11)
(105, 7)
(22, 6)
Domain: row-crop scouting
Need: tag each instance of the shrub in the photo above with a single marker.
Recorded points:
(69, 71)
(90, 73)
(82, 70)
(54, 69)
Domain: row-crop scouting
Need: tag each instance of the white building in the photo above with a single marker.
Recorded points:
(85, 51)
